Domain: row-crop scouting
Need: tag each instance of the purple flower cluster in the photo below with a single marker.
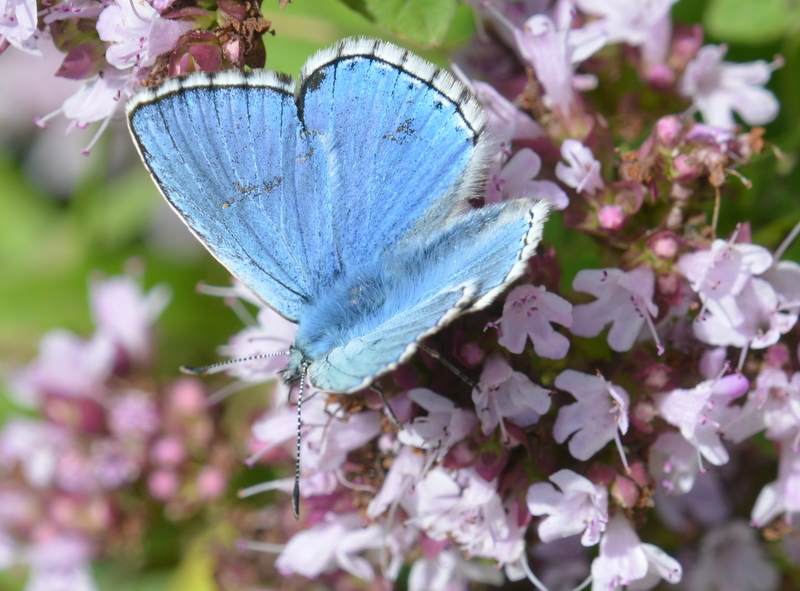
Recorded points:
(577, 444)
(595, 414)
(69, 479)
(117, 47)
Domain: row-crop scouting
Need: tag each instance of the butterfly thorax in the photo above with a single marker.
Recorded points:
(347, 309)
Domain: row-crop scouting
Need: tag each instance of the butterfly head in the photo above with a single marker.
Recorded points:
(297, 366)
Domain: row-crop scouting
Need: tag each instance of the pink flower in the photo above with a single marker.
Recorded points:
(34, 448)
(163, 484)
(60, 563)
(329, 434)
(98, 99)
(444, 426)
(406, 470)
(66, 366)
(700, 411)
(643, 24)
(774, 405)
(554, 50)
(272, 335)
(505, 393)
(732, 558)
(137, 34)
(211, 483)
(624, 560)
(599, 415)
(624, 299)
(18, 25)
(707, 504)
(506, 121)
(673, 463)
(333, 543)
(784, 277)
(467, 509)
(611, 217)
(719, 88)
(72, 9)
(135, 415)
(579, 507)
(515, 181)
(169, 452)
(75, 472)
(275, 428)
(124, 314)
(783, 495)
(627, 21)
(448, 571)
(582, 171)
(529, 312)
(114, 464)
(761, 320)
(720, 274)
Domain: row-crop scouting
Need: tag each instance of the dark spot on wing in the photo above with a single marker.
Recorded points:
(301, 158)
(402, 133)
(244, 189)
(273, 184)
(316, 79)
(248, 190)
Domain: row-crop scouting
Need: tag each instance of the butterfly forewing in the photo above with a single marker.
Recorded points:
(399, 148)
(222, 149)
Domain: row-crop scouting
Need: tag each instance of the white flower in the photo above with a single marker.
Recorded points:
(18, 20)
(719, 88)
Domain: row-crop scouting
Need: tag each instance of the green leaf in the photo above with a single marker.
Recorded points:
(196, 569)
(750, 21)
(420, 21)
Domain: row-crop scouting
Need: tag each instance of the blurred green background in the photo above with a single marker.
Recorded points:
(64, 216)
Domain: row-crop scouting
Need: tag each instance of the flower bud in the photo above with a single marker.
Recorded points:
(668, 131)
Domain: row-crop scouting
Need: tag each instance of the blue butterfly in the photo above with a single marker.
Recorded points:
(342, 203)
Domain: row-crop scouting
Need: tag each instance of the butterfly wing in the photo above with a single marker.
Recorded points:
(222, 149)
(399, 136)
(291, 193)
(427, 285)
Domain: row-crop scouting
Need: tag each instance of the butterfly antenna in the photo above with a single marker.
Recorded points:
(296, 491)
(438, 356)
(389, 412)
(204, 370)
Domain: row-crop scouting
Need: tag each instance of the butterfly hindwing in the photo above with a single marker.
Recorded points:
(461, 268)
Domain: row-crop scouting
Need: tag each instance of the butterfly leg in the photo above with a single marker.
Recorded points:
(459, 374)
(389, 412)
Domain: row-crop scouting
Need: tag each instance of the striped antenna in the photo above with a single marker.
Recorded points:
(296, 491)
(205, 370)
